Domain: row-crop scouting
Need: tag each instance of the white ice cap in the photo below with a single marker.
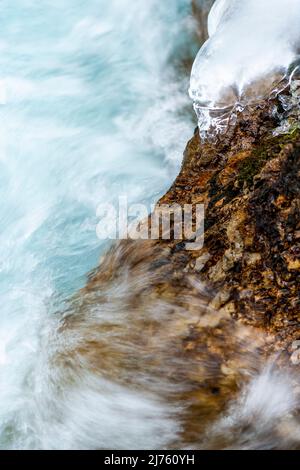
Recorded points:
(251, 45)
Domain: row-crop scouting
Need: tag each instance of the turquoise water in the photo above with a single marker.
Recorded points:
(93, 104)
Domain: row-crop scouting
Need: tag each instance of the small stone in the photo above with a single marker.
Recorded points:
(296, 345)
(226, 370)
(201, 261)
(246, 294)
(253, 258)
(280, 201)
(295, 357)
(219, 300)
(292, 263)
(228, 309)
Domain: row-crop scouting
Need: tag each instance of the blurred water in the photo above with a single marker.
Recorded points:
(92, 107)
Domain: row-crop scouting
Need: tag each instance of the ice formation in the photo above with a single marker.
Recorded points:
(253, 45)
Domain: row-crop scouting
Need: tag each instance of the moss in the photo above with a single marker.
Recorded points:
(252, 165)
(292, 136)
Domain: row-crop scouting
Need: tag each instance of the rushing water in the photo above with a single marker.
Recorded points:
(91, 108)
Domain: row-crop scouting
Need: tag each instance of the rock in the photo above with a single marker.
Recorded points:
(194, 326)
(219, 300)
(201, 261)
(295, 358)
(252, 200)
(293, 264)
(296, 345)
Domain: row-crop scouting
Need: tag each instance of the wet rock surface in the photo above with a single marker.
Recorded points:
(193, 328)
(249, 183)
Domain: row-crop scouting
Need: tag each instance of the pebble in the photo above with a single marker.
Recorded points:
(295, 357)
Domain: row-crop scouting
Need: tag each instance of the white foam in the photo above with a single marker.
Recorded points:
(3, 92)
(81, 71)
(100, 414)
(251, 46)
(3, 355)
(264, 416)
